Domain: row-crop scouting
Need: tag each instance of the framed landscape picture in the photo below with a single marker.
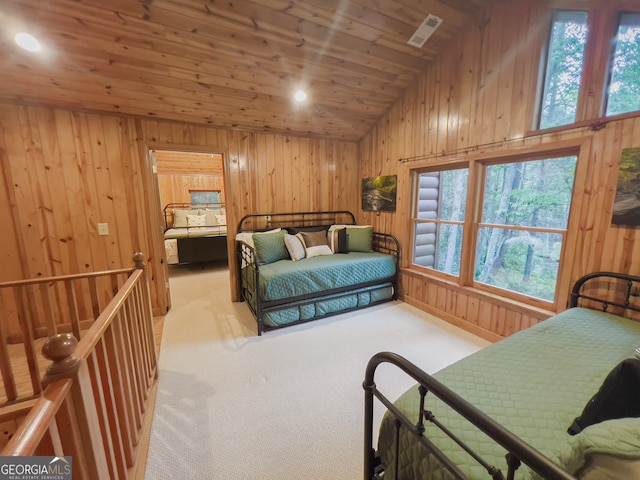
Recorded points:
(204, 196)
(626, 208)
(379, 193)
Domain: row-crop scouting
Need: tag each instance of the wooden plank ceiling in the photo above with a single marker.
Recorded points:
(231, 64)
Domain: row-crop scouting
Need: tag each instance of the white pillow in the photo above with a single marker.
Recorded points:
(180, 218)
(210, 218)
(295, 247)
(196, 220)
(316, 249)
(221, 219)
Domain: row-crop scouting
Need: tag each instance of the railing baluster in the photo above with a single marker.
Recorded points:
(129, 365)
(102, 358)
(120, 395)
(147, 339)
(47, 305)
(28, 341)
(143, 335)
(136, 352)
(5, 364)
(95, 299)
(72, 305)
(101, 408)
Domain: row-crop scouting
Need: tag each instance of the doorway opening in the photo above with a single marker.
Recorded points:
(192, 197)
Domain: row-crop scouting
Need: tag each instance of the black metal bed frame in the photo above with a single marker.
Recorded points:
(249, 276)
(167, 211)
(519, 451)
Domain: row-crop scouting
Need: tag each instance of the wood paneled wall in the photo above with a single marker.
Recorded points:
(482, 91)
(181, 172)
(63, 172)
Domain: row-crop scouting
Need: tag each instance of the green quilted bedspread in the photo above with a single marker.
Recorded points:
(328, 305)
(286, 278)
(535, 383)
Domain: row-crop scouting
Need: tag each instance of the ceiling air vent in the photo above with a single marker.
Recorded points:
(424, 31)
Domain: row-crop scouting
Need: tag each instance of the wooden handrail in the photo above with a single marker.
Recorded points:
(62, 278)
(34, 308)
(37, 422)
(96, 390)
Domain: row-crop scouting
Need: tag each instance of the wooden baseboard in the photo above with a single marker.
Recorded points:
(469, 327)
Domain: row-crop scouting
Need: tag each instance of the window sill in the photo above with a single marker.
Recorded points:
(515, 305)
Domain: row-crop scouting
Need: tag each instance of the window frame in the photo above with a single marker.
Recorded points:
(477, 166)
(610, 62)
(602, 23)
(416, 220)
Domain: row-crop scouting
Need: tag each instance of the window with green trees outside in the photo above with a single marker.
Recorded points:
(564, 93)
(520, 227)
(565, 60)
(624, 84)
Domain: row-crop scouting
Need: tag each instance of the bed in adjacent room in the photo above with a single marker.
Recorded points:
(522, 395)
(195, 232)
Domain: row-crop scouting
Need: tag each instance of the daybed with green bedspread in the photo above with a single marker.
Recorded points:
(520, 395)
(296, 267)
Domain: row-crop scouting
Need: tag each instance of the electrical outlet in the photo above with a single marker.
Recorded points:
(103, 229)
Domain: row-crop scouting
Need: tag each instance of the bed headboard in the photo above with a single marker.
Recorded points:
(611, 292)
(170, 208)
(259, 222)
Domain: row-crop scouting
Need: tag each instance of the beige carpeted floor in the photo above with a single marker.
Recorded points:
(286, 405)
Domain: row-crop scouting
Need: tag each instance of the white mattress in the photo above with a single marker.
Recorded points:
(194, 232)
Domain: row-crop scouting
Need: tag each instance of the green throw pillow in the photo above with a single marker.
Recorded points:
(360, 239)
(270, 247)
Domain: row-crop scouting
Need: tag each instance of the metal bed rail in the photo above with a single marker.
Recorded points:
(518, 450)
(257, 222)
(590, 288)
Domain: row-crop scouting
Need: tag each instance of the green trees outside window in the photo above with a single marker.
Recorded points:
(624, 87)
(563, 95)
(565, 60)
(519, 233)
(524, 219)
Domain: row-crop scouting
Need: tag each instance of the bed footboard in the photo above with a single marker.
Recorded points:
(249, 280)
(519, 451)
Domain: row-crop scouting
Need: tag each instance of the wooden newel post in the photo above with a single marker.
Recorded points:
(59, 349)
(138, 259)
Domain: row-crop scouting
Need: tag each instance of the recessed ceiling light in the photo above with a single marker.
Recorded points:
(300, 96)
(28, 42)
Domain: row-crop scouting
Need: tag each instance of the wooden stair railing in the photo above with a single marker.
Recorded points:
(96, 390)
(40, 308)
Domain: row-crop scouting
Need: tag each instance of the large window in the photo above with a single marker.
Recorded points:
(624, 86)
(518, 232)
(524, 219)
(565, 59)
(582, 83)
